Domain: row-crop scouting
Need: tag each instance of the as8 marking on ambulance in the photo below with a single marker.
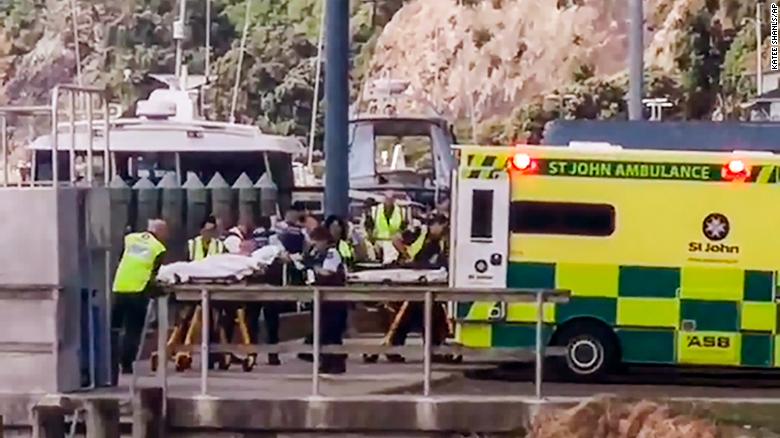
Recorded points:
(670, 257)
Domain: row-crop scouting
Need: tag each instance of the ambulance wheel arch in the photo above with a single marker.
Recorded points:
(592, 348)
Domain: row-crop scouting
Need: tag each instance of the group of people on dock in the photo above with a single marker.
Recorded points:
(382, 234)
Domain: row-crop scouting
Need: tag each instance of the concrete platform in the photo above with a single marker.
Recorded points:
(383, 400)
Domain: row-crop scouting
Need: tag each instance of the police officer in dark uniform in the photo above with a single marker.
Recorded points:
(327, 268)
(271, 309)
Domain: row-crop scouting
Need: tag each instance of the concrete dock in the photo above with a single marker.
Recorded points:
(381, 400)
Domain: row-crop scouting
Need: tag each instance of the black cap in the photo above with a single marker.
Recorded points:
(209, 220)
(438, 219)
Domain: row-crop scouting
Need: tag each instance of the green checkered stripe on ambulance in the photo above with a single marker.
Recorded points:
(693, 315)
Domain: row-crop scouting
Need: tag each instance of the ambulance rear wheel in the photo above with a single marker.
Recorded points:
(591, 351)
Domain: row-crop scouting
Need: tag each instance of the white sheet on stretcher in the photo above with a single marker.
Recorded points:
(217, 267)
(398, 276)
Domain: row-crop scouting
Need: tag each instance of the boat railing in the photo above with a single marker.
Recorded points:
(70, 102)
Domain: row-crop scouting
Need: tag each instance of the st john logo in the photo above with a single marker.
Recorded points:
(715, 227)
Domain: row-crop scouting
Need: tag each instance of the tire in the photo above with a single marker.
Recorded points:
(591, 352)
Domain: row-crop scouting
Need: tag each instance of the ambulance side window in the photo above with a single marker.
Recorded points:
(482, 214)
(566, 218)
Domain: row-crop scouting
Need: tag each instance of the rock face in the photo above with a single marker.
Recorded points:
(494, 55)
(604, 417)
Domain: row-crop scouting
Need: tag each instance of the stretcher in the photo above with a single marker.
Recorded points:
(216, 269)
(371, 274)
(398, 276)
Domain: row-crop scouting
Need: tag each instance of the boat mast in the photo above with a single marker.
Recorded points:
(207, 68)
(178, 35)
(316, 98)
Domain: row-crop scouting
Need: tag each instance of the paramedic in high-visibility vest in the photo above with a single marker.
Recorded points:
(424, 248)
(134, 284)
(206, 243)
(385, 221)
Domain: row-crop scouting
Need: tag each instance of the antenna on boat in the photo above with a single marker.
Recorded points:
(240, 62)
(178, 35)
(207, 67)
(316, 98)
(74, 13)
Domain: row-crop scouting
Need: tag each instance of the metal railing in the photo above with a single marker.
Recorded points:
(205, 294)
(77, 95)
(88, 93)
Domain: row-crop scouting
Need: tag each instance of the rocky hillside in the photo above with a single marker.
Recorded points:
(500, 58)
(497, 57)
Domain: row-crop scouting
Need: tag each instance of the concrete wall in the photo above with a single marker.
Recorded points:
(40, 286)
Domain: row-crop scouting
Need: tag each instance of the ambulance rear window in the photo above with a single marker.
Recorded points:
(566, 218)
(482, 214)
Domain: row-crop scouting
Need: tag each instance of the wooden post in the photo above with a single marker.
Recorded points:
(247, 197)
(197, 208)
(221, 201)
(148, 417)
(172, 210)
(147, 202)
(102, 418)
(48, 421)
(1, 426)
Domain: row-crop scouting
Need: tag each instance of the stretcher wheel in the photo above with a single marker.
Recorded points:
(249, 362)
(183, 362)
(153, 362)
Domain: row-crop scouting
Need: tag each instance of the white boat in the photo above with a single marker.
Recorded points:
(168, 135)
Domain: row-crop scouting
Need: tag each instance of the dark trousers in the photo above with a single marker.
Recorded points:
(227, 314)
(333, 324)
(127, 321)
(271, 312)
(413, 319)
(333, 321)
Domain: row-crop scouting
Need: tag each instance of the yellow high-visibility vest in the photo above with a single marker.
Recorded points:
(195, 247)
(345, 250)
(418, 243)
(135, 268)
(384, 228)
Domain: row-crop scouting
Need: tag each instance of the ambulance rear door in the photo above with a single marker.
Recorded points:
(482, 231)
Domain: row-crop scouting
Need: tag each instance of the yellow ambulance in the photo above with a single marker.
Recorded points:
(670, 257)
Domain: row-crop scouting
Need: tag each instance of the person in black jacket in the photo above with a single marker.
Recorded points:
(424, 248)
(326, 268)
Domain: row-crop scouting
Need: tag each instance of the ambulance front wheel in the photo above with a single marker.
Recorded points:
(591, 351)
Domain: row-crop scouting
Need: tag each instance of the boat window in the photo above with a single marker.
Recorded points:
(155, 165)
(565, 218)
(42, 163)
(397, 153)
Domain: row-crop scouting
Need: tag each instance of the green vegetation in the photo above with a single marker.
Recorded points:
(714, 46)
(278, 71)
